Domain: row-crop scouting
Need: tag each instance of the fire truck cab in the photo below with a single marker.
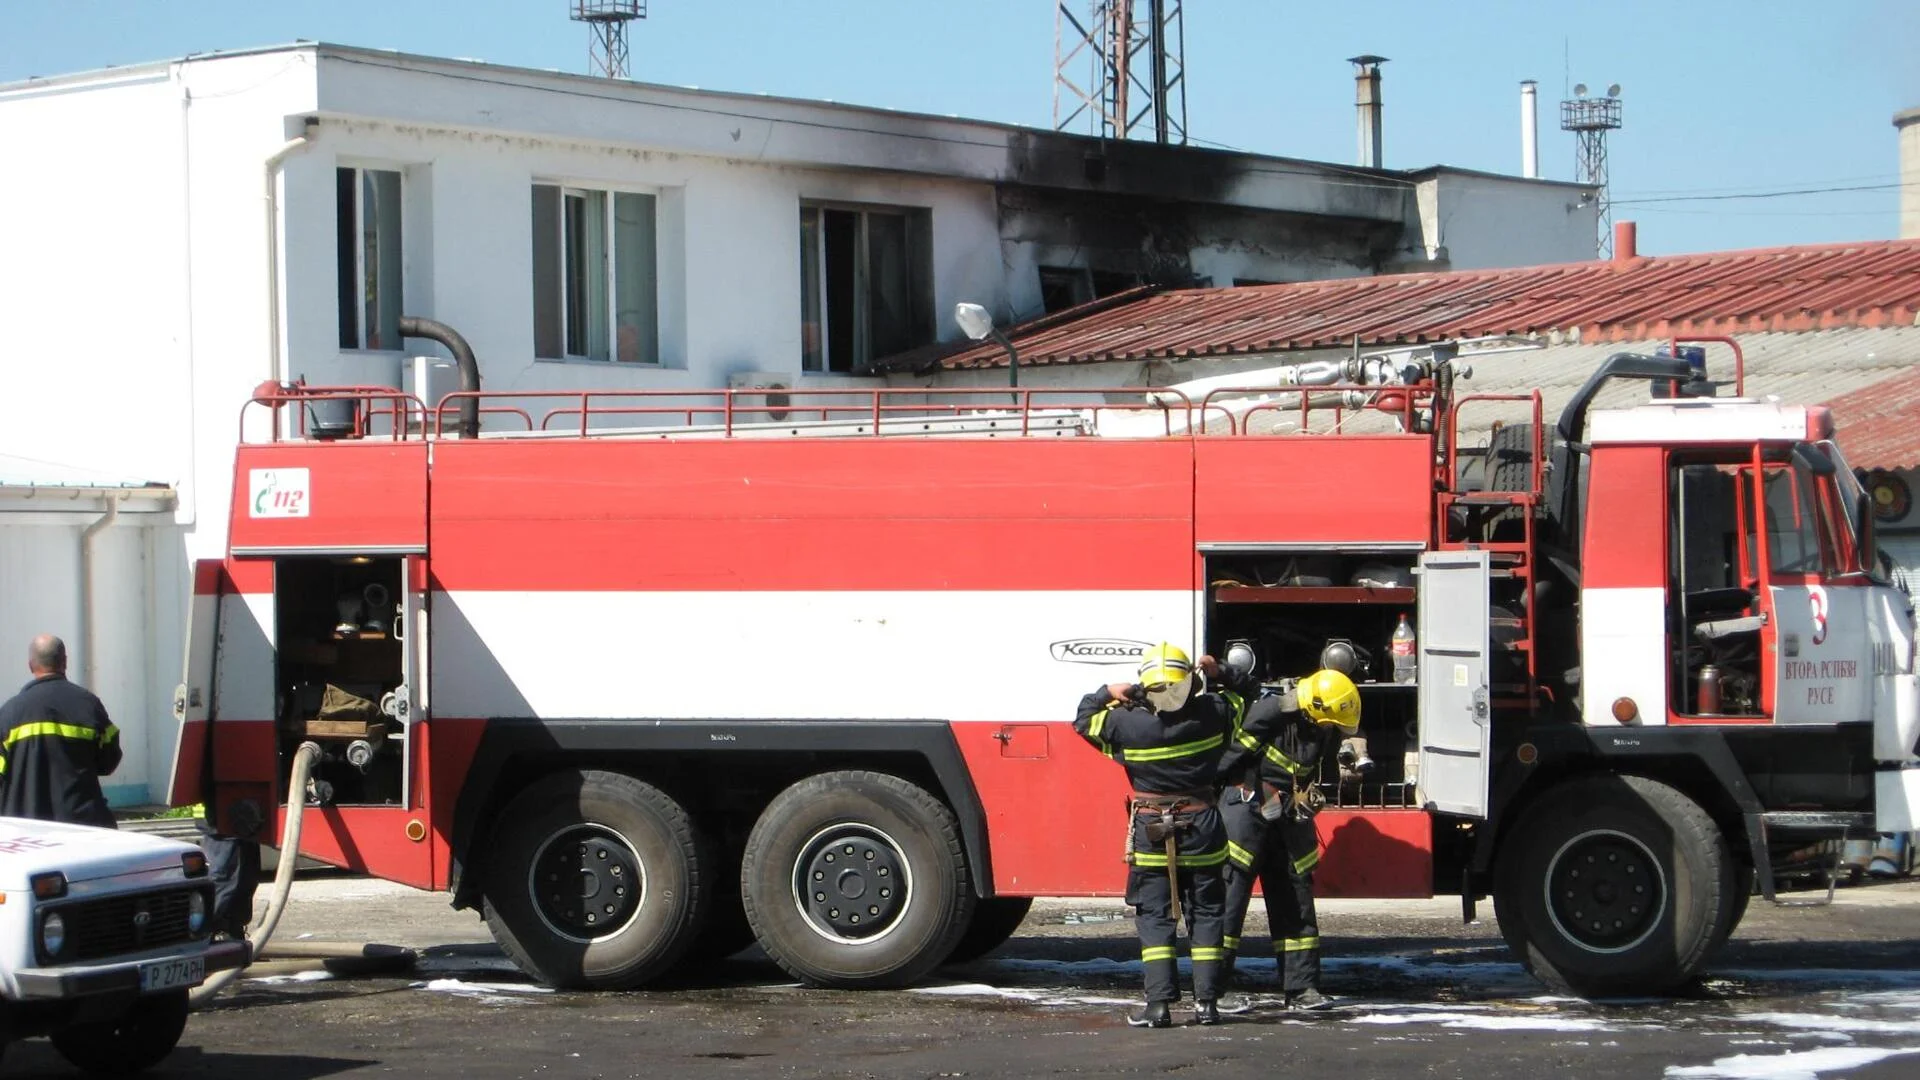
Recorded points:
(648, 678)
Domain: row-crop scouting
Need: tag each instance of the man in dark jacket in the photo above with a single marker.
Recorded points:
(1167, 732)
(1271, 767)
(55, 744)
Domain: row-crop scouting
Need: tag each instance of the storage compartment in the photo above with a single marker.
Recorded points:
(342, 676)
(1293, 608)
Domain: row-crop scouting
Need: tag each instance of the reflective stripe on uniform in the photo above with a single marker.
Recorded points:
(1203, 953)
(1296, 944)
(1097, 725)
(1210, 858)
(64, 731)
(1239, 854)
(109, 735)
(1239, 705)
(1230, 942)
(1156, 952)
(1275, 755)
(1168, 753)
(1307, 862)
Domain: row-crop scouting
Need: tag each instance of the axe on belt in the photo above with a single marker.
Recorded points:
(1161, 827)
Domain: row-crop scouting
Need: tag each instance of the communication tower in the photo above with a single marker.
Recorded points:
(1590, 118)
(1119, 68)
(608, 19)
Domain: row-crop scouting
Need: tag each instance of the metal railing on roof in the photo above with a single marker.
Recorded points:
(359, 413)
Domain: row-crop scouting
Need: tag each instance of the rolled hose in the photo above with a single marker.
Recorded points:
(260, 932)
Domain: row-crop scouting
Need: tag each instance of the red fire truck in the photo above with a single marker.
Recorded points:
(648, 677)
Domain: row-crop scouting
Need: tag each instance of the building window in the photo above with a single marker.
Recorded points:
(367, 234)
(1062, 287)
(1109, 282)
(595, 276)
(866, 285)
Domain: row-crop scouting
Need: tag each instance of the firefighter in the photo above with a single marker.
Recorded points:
(1168, 731)
(55, 744)
(1268, 804)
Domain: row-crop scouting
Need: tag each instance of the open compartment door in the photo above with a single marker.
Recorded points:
(1455, 707)
(193, 698)
(409, 705)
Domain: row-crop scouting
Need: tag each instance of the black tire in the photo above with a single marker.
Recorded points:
(635, 854)
(1509, 467)
(994, 921)
(883, 920)
(1510, 458)
(1744, 880)
(134, 1042)
(1615, 885)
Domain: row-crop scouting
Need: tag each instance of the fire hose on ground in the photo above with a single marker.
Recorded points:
(376, 957)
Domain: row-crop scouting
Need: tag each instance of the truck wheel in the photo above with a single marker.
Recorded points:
(596, 881)
(1509, 468)
(994, 921)
(856, 880)
(1615, 885)
(134, 1042)
(1743, 884)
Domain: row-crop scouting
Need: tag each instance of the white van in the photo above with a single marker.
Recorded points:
(102, 933)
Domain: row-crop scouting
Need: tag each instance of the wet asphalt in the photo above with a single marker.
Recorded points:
(1818, 991)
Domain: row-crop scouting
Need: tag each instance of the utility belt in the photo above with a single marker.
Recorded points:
(1297, 801)
(1162, 818)
(1186, 802)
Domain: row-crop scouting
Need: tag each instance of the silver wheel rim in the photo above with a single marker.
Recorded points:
(852, 883)
(1605, 892)
(587, 883)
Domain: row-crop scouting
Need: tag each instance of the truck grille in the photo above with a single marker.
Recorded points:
(113, 925)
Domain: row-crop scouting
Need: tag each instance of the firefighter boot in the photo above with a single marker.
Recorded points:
(1154, 1014)
(1308, 1000)
(1206, 1013)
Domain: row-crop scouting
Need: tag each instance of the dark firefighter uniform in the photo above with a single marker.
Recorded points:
(1172, 761)
(55, 744)
(1268, 806)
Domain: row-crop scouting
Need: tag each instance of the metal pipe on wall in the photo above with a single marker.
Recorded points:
(89, 638)
(1367, 105)
(1529, 129)
(272, 174)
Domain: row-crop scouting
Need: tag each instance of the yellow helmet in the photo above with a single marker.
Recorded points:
(1162, 665)
(1330, 698)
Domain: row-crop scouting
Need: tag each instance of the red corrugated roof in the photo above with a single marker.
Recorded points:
(1878, 426)
(1791, 288)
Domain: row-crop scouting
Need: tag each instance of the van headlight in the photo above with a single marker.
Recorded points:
(53, 934)
(196, 913)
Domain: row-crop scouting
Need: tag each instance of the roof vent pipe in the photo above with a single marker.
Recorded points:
(1626, 241)
(1366, 102)
(1529, 130)
(462, 358)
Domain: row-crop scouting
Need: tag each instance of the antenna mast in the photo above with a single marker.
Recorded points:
(608, 19)
(1590, 119)
(1133, 54)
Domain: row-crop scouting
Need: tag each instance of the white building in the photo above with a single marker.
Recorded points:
(176, 234)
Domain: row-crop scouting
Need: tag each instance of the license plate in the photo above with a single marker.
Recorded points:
(170, 974)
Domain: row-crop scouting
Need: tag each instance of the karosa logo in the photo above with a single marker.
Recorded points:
(1098, 651)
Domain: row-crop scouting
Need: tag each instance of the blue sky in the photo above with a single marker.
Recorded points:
(1721, 98)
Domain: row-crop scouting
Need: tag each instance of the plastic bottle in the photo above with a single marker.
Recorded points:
(1405, 661)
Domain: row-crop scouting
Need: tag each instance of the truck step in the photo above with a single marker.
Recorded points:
(1491, 498)
(1809, 824)
(1837, 824)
